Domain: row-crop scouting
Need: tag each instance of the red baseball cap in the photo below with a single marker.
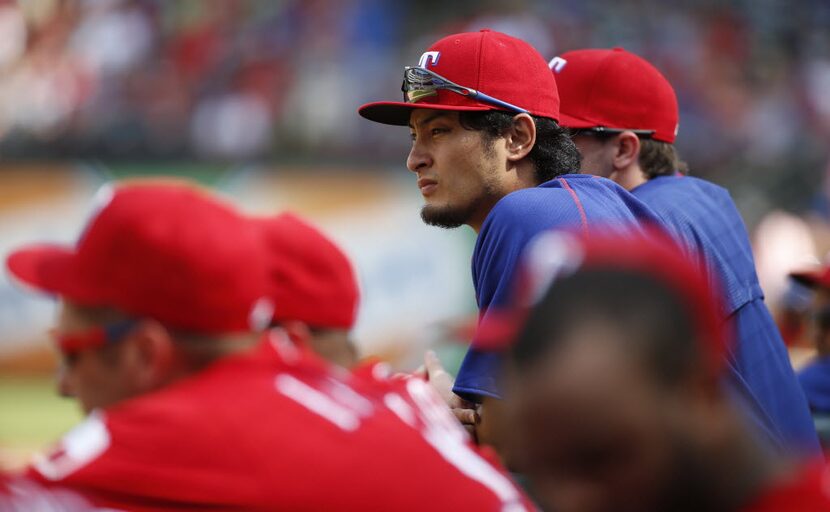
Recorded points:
(813, 278)
(161, 250)
(614, 89)
(555, 254)
(496, 64)
(309, 277)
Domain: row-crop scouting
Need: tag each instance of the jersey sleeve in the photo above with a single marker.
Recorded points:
(509, 228)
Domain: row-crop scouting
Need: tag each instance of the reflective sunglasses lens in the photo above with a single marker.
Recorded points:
(419, 84)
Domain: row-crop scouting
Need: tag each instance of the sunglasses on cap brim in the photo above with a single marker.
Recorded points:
(420, 83)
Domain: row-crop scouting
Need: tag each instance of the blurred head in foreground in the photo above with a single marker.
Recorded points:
(614, 382)
(166, 278)
(312, 286)
(163, 280)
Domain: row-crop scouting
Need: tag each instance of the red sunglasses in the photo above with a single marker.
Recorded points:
(70, 343)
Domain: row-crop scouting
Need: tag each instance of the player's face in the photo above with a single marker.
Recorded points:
(458, 172)
(597, 155)
(93, 376)
(595, 435)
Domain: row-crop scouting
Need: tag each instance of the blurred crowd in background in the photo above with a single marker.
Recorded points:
(237, 80)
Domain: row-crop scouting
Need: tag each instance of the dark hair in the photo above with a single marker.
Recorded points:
(652, 321)
(660, 159)
(553, 154)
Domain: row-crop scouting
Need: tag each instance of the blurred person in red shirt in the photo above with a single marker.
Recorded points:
(19, 494)
(163, 301)
(616, 395)
(315, 283)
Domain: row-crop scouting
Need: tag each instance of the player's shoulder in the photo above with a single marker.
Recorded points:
(679, 183)
(547, 199)
(524, 212)
(666, 193)
(817, 369)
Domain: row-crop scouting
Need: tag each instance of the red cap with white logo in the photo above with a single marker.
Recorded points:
(500, 66)
(161, 250)
(614, 89)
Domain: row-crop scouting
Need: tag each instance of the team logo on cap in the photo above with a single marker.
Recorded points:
(429, 59)
(556, 64)
(262, 312)
(102, 198)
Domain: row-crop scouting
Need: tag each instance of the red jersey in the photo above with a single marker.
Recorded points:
(20, 494)
(278, 429)
(808, 491)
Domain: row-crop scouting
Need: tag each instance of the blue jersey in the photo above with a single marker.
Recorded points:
(569, 202)
(704, 219)
(815, 381)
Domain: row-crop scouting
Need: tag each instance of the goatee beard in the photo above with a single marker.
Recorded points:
(444, 216)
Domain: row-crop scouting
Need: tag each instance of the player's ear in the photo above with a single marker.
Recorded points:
(149, 355)
(627, 152)
(520, 137)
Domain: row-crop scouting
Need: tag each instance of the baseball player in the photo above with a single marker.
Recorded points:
(624, 118)
(488, 152)
(318, 295)
(615, 391)
(190, 406)
(815, 376)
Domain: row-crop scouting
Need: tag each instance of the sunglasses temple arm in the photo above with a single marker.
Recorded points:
(480, 96)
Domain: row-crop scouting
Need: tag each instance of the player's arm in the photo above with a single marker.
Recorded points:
(502, 241)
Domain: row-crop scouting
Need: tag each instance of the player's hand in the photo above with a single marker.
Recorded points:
(441, 381)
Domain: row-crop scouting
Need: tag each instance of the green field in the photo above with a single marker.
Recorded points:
(31, 416)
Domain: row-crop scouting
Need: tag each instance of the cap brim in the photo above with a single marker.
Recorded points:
(397, 112)
(576, 123)
(51, 269)
(810, 279)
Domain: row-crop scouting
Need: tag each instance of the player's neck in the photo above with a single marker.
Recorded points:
(629, 178)
(476, 221)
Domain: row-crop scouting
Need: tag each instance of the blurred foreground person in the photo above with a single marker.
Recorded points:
(315, 285)
(624, 117)
(815, 376)
(615, 391)
(191, 407)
